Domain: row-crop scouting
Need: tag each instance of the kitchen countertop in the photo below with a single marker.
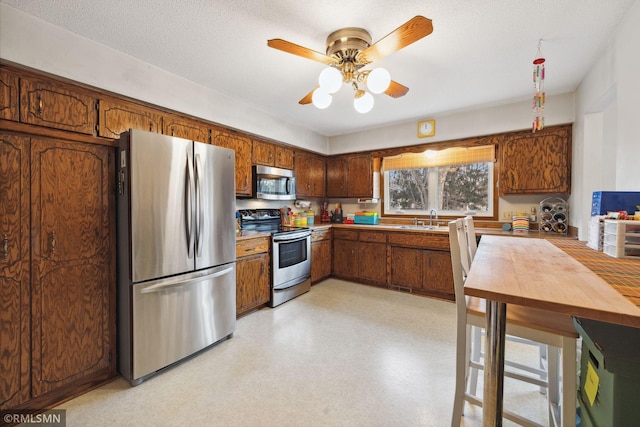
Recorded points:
(243, 235)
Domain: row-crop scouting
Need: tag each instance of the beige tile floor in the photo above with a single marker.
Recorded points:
(343, 354)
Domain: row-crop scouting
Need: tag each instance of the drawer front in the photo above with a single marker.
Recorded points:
(418, 240)
(252, 246)
(373, 236)
(324, 234)
(345, 234)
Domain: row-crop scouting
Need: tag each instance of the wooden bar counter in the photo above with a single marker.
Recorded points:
(538, 273)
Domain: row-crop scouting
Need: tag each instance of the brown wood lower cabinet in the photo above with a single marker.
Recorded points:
(253, 283)
(320, 254)
(57, 271)
(418, 262)
(422, 270)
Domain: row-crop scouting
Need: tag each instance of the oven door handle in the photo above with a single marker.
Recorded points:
(289, 237)
(291, 285)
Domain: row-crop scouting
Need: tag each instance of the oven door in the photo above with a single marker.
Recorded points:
(291, 258)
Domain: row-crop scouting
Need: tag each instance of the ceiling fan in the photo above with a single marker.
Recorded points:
(349, 50)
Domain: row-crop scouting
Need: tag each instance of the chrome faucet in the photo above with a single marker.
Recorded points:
(431, 217)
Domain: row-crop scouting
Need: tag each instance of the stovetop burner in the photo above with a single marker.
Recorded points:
(265, 220)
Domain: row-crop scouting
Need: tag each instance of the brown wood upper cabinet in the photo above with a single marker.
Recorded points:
(117, 116)
(284, 157)
(268, 154)
(56, 105)
(183, 127)
(350, 176)
(263, 153)
(8, 96)
(536, 163)
(310, 175)
(242, 147)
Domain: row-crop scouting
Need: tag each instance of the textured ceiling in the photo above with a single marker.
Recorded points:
(479, 53)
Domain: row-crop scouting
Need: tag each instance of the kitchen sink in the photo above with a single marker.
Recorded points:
(421, 227)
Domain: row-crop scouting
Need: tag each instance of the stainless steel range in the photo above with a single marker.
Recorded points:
(290, 253)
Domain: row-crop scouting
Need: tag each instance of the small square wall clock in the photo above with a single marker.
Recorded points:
(426, 128)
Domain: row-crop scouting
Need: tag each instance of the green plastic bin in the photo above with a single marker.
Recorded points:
(611, 359)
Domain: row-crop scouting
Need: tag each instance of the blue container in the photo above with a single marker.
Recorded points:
(605, 201)
(366, 219)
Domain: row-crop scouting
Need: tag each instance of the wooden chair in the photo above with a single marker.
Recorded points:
(554, 330)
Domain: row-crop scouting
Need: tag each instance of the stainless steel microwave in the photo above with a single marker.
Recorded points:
(273, 183)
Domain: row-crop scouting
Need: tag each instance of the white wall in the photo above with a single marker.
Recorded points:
(29, 41)
(606, 150)
(517, 115)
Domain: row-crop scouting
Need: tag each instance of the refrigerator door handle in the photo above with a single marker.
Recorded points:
(170, 283)
(189, 208)
(199, 207)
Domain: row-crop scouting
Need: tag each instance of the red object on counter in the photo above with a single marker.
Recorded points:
(348, 221)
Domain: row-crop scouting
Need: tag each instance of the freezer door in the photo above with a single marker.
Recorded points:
(162, 193)
(214, 170)
(176, 317)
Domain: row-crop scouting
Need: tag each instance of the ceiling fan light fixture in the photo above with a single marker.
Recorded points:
(378, 80)
(363, 102)
(321, 98)
(330, 80)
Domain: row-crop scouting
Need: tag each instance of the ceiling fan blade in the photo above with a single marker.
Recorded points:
(409, 32)
(396, 90)
(295, 49)
(307, 98)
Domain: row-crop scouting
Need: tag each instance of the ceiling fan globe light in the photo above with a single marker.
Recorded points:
(363, 104)
(330, 79)
(321, 99)
(378, 80)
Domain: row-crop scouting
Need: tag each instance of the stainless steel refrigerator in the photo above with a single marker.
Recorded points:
(176, 250)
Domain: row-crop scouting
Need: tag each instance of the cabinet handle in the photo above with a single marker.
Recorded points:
(39, 105)
(53, 242)
(5, 246)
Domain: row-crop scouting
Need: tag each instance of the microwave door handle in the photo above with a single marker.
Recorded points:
(199, 206)
(189, 207)
(288, 186)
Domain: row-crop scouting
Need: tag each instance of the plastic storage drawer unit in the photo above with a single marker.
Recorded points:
(609, 374)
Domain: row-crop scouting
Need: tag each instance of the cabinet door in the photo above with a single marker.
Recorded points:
(372, 262)
(438, 276)
(536, 163)
(252, 282)
(14, 271)
(320, 260)
(242, 147)
(8, 95)
(345, 258)
(407, 267)
(360, 176)
(263, 153)
(73, 273)
(337, 177)
(303, 175)
(186, 128)
(318, 176)
(56, 105)
(284, 157)
(116, 116)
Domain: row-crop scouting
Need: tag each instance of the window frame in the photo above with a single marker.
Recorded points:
(445, 215)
